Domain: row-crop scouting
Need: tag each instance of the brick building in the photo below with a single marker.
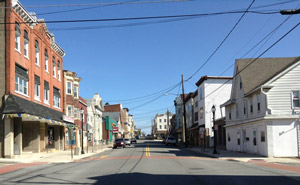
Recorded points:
(31, 87)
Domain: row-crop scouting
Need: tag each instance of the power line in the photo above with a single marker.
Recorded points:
(215, 51)
(146, 18)
(256, 58)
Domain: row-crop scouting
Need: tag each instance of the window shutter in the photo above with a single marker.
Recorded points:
(21, 72)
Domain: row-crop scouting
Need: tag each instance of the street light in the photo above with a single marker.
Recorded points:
(82, 112)
(213, 109)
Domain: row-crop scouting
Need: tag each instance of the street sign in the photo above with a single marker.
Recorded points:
(115, 129)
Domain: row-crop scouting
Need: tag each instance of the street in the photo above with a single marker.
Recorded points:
(150, 162)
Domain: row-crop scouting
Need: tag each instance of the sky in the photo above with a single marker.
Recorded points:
(139, 63)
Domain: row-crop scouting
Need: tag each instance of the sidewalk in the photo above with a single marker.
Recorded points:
(53, 157)
(244, 157)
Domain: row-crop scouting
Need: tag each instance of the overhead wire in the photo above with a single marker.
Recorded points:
(223, 41)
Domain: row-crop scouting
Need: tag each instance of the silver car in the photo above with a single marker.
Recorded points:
(127, 141)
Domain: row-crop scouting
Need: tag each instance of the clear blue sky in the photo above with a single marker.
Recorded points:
(126, 62)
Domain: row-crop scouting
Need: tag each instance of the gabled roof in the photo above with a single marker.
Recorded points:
(261, 70)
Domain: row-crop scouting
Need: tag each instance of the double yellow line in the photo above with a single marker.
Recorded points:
(148, 151)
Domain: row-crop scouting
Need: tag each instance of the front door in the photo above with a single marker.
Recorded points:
(244, 141)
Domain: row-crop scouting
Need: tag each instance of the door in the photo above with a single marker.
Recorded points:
(244, 141)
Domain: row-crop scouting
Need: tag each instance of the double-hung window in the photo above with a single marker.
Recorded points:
(46, 92)
(70, 110)
(58, 70)
(296, 99)
(46, 60)
(251, 105)
(37, 84)
(75, 91)
(17, 36)
(54, 67)
(26, 43)
(69, 87)
(75, 112)
(258, 102)
(21, 80)
(56, 97)
(37, 53)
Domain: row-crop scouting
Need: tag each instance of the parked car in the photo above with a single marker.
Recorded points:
(133, 140)
(127, 141)
(119, 143)
(170, 141)
(137, 137)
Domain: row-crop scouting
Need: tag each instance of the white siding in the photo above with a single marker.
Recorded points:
(279, 97)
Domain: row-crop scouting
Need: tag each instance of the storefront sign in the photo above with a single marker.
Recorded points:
(68, 119)
(115, 129)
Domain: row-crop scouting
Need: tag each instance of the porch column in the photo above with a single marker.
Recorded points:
(8, 138)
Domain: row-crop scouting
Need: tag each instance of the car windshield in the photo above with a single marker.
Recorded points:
(126, 139)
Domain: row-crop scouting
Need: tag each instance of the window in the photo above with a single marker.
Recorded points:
(245, 107)
(296, 100)
(58, 70)
(56, 97)
(251, 105)
(196, 116)
(196, 104)
(69, 110)
(262, 136)
(159, 126)
(37, 53)
(37, 87)
(229, 113)
(237, 110)
(254, 137)
(46, 92)
(21, 80)
(69, 88)
(165, 120)
(26, 43)
(46, 61)
(201, 93)
(165, 126)
(238, 138)
(241, 85)
(54, 67)
(258, 102)
(228, 137)
(160, 120)
(201, 112)
(75, 112)
(17, 36)
(75, 91)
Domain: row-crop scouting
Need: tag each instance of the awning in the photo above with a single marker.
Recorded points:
(18, 107)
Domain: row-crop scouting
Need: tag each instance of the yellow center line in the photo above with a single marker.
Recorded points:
(148, 151)
(103, 156)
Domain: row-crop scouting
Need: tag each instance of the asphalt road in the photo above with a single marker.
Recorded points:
(151, 163)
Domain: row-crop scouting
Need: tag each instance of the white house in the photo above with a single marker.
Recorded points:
(94, 110)
(162, 124)
(262, 115)
(211, 91)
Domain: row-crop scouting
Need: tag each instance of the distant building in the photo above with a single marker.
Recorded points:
(162, 125)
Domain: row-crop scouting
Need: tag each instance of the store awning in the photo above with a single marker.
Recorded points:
(29, 111)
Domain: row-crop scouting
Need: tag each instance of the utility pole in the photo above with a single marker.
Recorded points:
(183, 120)
(168, 122)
